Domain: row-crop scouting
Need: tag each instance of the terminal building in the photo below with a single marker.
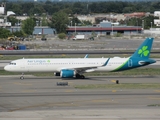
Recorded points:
(105, 28)
(38, 30)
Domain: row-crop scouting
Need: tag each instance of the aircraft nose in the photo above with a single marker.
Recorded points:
(6, 68)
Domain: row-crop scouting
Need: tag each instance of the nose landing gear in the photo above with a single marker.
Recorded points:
(22, 76)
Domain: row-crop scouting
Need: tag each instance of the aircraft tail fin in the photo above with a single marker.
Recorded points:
(144, 49)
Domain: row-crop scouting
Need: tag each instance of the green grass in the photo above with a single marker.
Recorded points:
(120, 86)
(154, 105)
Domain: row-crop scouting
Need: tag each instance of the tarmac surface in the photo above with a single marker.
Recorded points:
(39, 98)
(102, 45)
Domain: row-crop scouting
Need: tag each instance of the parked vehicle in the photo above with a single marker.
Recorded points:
(15, 38)
(79, 37)
(43, 39)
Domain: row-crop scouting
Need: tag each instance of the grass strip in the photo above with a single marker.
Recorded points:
(120, 86)
(154, 105)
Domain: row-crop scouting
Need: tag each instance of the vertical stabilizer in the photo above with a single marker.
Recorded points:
(144, 49)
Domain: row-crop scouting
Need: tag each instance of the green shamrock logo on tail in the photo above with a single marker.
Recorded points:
(143, 51)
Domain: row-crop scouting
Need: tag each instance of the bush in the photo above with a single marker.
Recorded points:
(62, 36)
(118, 35)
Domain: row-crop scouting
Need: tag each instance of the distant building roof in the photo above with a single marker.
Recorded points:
(10, 13)
(135, 14)
(127, 28)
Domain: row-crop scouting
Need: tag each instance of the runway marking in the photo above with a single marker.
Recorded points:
(114, 90)
(114, 81)
(69, 91)
(18, 83)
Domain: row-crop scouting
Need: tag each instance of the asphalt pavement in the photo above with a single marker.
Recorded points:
(40, 98)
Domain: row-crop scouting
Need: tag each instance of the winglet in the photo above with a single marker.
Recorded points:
(86, 56)
(106, 62)
(144, 49)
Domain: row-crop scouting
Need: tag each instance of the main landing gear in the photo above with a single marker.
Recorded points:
(78, 76)
(22, 76)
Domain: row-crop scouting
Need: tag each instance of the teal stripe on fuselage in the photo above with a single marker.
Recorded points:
(124, 66)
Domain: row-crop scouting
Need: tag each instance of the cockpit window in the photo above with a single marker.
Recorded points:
(12, 63)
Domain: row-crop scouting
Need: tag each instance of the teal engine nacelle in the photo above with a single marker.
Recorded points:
(67, 73)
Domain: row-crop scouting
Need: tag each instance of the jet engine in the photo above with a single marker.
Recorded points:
(65, 73)
(57, 73)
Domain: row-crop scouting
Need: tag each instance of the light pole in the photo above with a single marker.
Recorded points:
(112, 28)
(143, 24)
(75, 28)
(151, 28)
(137, 26)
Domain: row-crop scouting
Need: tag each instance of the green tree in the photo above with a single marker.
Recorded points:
(44, 20)
(13, 20)
(75, 20)
(4, 33)
(28, 25)
(59, 21)
(16, 8)
(86, 23)
(138, 22)
(148, 20)
(18, 33)
(49, 7)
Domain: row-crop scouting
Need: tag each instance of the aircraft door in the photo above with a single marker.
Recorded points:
(22, 66)
(130, 63)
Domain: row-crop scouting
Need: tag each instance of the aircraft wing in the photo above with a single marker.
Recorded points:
(85, 69)
(81, 69)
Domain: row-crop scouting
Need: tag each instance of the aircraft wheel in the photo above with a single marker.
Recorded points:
(21, 77)
(78, 76)
(82, 76)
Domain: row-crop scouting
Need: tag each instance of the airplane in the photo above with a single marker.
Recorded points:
(75, 67)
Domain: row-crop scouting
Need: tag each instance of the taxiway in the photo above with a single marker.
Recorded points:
(36, 98)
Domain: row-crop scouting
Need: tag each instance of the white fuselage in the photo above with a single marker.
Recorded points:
(56, 65)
